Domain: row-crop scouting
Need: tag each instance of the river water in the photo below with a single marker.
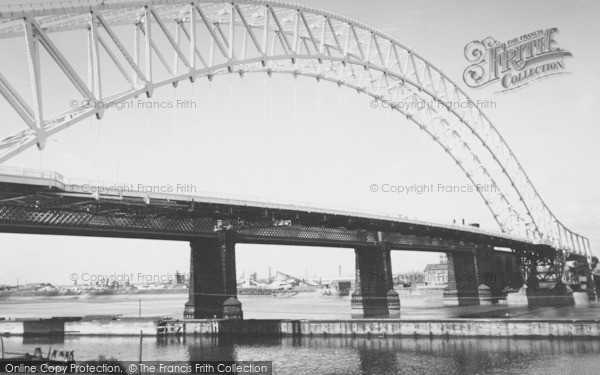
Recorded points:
(350, 355)
(317, 355)
(415, 305)
(302, 306)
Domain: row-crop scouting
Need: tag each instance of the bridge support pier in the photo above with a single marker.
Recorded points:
(544, 284)
(583, 281)
(374, 293)
(497, 271)
(212, 283)
(462, 280)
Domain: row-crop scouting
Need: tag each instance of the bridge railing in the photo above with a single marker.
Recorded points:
(569, 240)
(32, 173)
(261, 201)
(97, 188)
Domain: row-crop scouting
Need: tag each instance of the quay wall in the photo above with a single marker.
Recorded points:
(78, 327)
(447, 328)
(8, 327)
(355, 327)
(111, 328)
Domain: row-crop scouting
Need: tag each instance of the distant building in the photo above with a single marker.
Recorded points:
(411, 278)
(436, 274)
(46, 288)
(181, 278)
(38, 287)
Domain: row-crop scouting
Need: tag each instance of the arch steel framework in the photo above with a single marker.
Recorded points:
(154, 43)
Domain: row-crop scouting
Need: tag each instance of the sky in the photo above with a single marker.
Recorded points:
(296, 139)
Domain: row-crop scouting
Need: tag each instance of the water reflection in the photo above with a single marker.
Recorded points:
(403, 355)
(44, 340)
(347, 355)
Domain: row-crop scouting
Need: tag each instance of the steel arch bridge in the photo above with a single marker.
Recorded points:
(154, 43)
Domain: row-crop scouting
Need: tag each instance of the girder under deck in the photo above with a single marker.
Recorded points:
(44, 204)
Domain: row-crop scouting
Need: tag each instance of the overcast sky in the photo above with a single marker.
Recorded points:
(296, 139)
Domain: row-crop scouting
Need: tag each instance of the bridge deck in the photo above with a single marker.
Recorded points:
(48, 203)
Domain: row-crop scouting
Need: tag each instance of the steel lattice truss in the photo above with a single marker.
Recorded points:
(98, 218)
(41, 203)
(196, 38)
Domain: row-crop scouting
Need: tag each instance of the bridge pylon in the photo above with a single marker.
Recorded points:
(462, 280)
(212, 283)
(481, 276)
(374, 293)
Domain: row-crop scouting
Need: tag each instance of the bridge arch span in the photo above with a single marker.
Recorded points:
(188, 39)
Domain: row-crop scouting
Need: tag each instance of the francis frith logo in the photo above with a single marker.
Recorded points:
(515, 63)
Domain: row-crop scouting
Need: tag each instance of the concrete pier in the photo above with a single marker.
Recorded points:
(481, 276)
(559, 295)
(212, 285)
(374, 293)
(462, 280)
